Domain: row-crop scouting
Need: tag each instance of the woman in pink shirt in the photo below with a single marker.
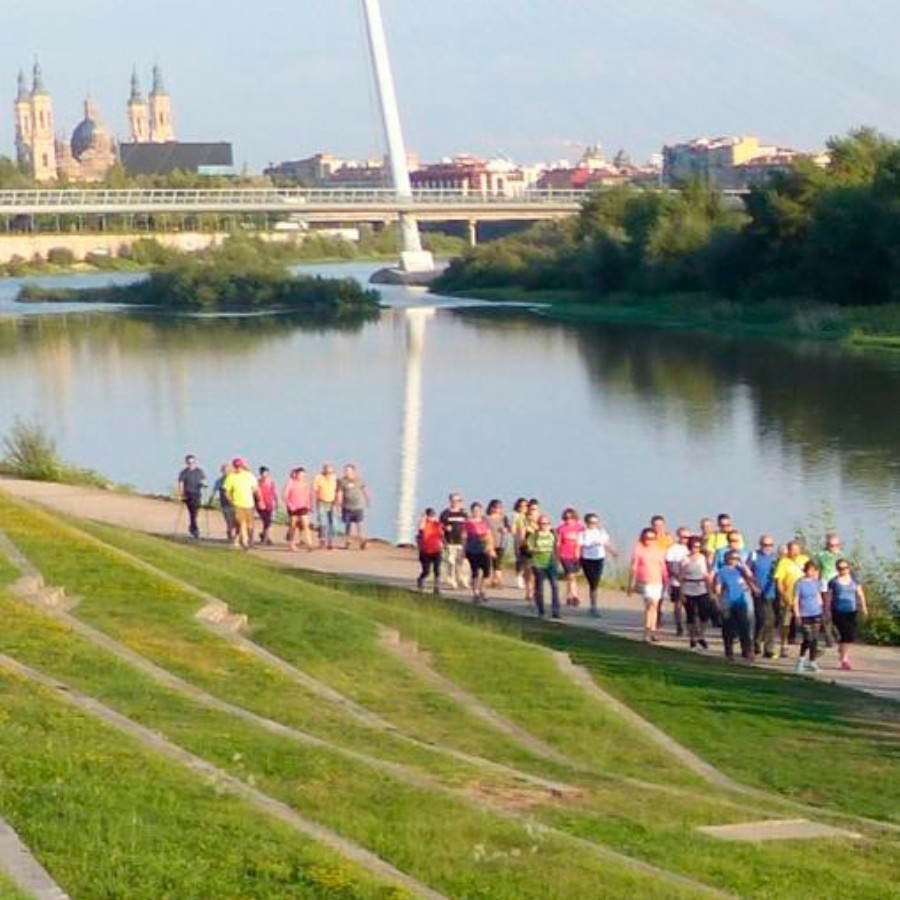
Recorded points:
(649, 576)
(568, 550)
(297, 498)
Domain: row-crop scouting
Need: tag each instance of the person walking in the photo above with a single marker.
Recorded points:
(544, 562)
(219, 492)
(847, 600)
(594, 545)
(788, 571)
(568, 549)
(430, 540)
(761, 563)
(266, 502)
(733, 587)
(528, 528)
(695, 583)
(297, 499)
(479, 549)
(241, 488)
(324, 489)
(191, 482)
(808, 610)
(353, 499)
(675, 556)
(500, 536)
(648, 576)
(452, 519)
(826, 559)
(517, 527)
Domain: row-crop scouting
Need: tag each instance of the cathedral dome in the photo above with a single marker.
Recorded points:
(89, 134)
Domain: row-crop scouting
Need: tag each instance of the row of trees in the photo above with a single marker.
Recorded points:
(828, 234)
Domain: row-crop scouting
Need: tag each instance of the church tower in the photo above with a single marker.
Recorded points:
(22, 107)
(160, 111)
(138, 113)
(43, 142)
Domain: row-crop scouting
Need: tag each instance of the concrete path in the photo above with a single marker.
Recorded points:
(876, 669)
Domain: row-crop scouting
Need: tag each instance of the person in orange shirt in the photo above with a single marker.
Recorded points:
(663, 538)
(325, 489)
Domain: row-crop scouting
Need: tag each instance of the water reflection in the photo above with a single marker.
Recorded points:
(626, 421)
(410, 448)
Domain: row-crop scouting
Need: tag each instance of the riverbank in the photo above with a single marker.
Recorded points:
(862, 326)
(877, 670)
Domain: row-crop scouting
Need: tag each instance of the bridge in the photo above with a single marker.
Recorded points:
(358, 205)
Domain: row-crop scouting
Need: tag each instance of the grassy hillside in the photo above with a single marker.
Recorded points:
(447, 742)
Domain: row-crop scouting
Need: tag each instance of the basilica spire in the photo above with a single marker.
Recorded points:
(22, 94)
(37, 79)
(136, 96)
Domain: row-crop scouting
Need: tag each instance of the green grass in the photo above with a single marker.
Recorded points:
(453, 838)
(108, 819)
(859, 326)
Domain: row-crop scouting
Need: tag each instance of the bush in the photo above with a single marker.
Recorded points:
(60, 256)
(17, 266)
(31, 453)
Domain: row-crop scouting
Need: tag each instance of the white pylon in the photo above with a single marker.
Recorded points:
(412, 258)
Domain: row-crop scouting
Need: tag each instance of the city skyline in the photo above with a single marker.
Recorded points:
(292, 82)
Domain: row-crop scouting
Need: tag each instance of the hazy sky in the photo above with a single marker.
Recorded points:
(534, 79)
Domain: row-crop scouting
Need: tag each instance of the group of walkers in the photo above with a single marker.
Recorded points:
(242, 496)
(760, 598)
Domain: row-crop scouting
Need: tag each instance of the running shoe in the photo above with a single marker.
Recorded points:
(813, 667)
(800, 666)
(845, 665)
(703, 644)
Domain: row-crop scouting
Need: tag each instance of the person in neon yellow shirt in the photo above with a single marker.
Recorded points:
(788, 571)
(241, 488)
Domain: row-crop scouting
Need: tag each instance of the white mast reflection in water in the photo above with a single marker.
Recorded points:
(416, 319)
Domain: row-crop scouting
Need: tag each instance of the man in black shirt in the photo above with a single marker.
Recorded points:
(453, 518)
(191, 481)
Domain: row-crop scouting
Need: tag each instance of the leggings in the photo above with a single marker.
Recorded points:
(593, 572)
(430, 562)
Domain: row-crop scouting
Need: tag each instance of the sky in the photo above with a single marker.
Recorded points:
(536, 80)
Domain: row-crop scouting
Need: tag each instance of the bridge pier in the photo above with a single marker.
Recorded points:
(472, 232)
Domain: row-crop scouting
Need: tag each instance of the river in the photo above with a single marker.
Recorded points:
(625, 421)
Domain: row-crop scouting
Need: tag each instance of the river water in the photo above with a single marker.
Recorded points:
(625, 421)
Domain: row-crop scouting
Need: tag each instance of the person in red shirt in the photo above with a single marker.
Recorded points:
(430, 539)
(649, 576)
(266, 502)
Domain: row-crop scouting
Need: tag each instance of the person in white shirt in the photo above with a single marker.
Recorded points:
(595, 544)
(675, 556)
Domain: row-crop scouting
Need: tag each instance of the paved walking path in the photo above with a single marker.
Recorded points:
(876, 669)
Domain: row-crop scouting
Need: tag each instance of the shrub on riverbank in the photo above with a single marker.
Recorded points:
(829, 234)
(30, 453)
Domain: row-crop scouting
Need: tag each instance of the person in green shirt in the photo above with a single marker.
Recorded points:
(542, 547)
(827, 562)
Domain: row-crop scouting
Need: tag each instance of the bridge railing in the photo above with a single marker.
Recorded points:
(236, 198)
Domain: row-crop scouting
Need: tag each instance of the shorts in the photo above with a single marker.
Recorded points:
(244, 516)
(299, 513)
(570, 566)
(479, 562)
(353, 516)
(675, 593)
(652, 593)
(845, 623)
(698, 608)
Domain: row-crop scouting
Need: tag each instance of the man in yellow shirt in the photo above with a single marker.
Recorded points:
(788, 571)
(240, 487)
(324, 491)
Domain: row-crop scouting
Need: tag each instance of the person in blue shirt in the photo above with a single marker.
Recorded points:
(847, 599)
(808, 610)
(761, 563)
(733, 583)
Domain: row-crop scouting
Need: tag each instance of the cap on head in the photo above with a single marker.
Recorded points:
(239, 462)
